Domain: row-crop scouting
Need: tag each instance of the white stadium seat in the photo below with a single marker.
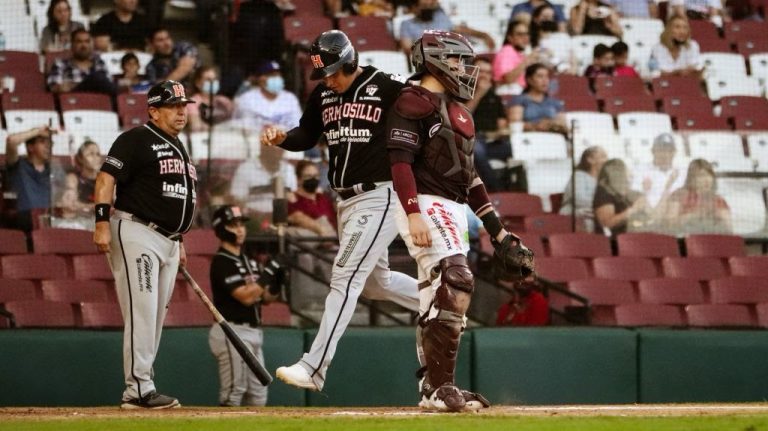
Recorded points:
(758, 150)
(101, 127)
(394, 62)
(639, 146)
(589, 120)
(227, 144)
(641, 28)
(24, 119)
(725, 65)
(723, 149)
(644, 123)
(758, 65)
(719, 87)
(533, 146)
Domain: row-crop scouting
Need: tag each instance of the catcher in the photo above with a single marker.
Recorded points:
(431, 144)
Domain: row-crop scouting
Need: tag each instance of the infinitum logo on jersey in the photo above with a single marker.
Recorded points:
(177, 190)
(348, 134)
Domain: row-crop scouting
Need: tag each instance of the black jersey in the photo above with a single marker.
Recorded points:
(353, 124)
(155, 179)
(229, 272)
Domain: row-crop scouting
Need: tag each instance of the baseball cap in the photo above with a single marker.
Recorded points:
(227, 214)
(266, 67)
(167, 93)
(664, 141)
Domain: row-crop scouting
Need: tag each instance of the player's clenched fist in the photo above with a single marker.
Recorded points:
(272, 136)
(102, 236)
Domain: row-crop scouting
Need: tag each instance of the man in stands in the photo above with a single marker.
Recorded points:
(172, 61)
(123, 28)
(84, 71)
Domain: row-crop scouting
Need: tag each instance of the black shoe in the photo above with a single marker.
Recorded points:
(152, 401)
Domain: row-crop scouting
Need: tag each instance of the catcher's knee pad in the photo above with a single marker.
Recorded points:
(456, 284)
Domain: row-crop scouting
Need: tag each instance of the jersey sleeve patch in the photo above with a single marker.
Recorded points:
(114, 162)
(404, 136)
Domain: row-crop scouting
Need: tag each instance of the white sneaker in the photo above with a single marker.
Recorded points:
(296, 375)
(474, 401)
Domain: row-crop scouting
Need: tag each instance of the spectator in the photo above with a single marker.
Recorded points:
(676, 53)
(658, 179)
(491, 125)
(122, 28)
(430, 16)
(711, 10)
(526, 10)
(172, 61)
(696, 207)
(526, 306)
(57, 35)
(602, 63)
(267, 102)
(253, 183)
(595, 17)
(585, 178)
(342, 8)
(535, 108)
(510, 62)
(84, 71)
(620, 52)
(635, 8)
(130, 81)
(542, 23)
(205, 87)
(548, 40)
(30, 176)
(77, 197)
(615, 204)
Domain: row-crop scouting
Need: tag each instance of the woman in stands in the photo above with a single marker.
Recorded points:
(696, 207)
(205, 86)
(676, 53)
(535, 108)
(76, 201)
(510, 62)
(615, 205)
(595, 17)
(57, 34)
(592, 160)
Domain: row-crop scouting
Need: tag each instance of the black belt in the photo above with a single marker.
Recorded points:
(173, 236)
(355, 190)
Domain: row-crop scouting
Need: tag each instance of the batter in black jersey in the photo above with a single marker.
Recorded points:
(349, 108)
(239, 288)
(151, 174)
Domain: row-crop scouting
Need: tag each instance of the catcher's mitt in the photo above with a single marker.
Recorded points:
(512, 258)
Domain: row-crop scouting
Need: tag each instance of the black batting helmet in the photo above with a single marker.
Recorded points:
(167, 93)
(330, 52)
(224, 215)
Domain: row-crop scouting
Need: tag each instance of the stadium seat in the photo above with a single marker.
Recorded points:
(308, 7)
(594, 122)
(12, 241)
(199, 268)
(644, 123)
(703, 29)
(201, 242)
(20, 120)
(100, 315)
(603, 296)
(513, 207)
(91, 267)
(19, 32)
(579, 244)
(719, 315)
(12, 61)
(34, 267)
(611, 86)
(76, 291)
(722, 86)
(531, 240)
(738, 290)
(624, 268)
(574, 102)
(563, 84)
(24, 101)
(533, 146)
(636, 28)
(732, 106)
(652, 245)
(697, 121)
(394, 62)
(132, 109)
(724, 65)
(18, 290)
(736, 31)
(101, 127)
(227, 144)
(708, 245)
(673, 291)
(757, 144)
(750, 121)
(628, 103)
(696, 268)
(749, 265)
(716, 45)
(547, 224)
(276, 314)
(190, 313)
(303, 29)
(42, 314)
(633, 315)
(181, 293)
(679, 86)
(724, 150)
(752, 46)
(63, 241)
(638, 146)
(680, 106)
(81, 101)
(758, 65)
(367, 32)
(582, 47)
(562, 269)
(585, 137)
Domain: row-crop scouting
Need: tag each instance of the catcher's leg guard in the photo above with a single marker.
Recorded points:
(441, 330)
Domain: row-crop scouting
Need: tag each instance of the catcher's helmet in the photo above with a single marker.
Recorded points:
(167, 93)
(224, 215)
(330, 52)
(430, 54)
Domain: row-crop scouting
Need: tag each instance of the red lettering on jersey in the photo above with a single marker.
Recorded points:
(164, 166)
(317, 62)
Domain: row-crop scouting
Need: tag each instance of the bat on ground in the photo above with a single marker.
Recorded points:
(250, 359)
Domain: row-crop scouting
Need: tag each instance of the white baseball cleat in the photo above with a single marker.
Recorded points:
(474, 401)
(296, 375)
(446, 398)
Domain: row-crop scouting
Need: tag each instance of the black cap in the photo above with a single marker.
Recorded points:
(167, 93)
(226, 214)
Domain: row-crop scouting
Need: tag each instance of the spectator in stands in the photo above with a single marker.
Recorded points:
(84, 71)
(542, 23)
(491, 125)
(620, 52)
(430, 16)
(658, 179)
(535, 108)
(308, 207)
(77, 197)
(602, 63)
(217, 107)
(585, 179)
(130, 81)
(711, 10)
(30, 176)
(595, 17)
(174, 61)
(122, 28)
(57, 35)
(525, 11)
(510, 62)
(267, 102)
(615, 204)
(343, 8)
(676, 53)
(696, 207)
(526, 306)
(635, 8)
(253, 185)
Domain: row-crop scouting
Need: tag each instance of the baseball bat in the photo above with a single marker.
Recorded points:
(250, 359)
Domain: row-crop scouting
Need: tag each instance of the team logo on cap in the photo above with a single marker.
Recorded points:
(178, 90)
(317, 62)
(236, 212)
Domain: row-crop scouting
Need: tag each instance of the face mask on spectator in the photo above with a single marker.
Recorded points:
(548, 26)
(679, 42)
(427, 14)
(310, 185)
(275, 84)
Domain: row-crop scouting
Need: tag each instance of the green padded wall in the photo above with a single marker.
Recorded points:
(555, 365)
(690, 366)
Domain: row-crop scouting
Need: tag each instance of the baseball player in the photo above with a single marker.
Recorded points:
(430, 136)
(239, 289)
(349, 108)
(153, 179)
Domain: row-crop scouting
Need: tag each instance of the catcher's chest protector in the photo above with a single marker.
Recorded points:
(450, 142)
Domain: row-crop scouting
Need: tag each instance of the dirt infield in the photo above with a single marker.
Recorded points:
(650, 410)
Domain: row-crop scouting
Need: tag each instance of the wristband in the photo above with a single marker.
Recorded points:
(102, 212)
(492, 224)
